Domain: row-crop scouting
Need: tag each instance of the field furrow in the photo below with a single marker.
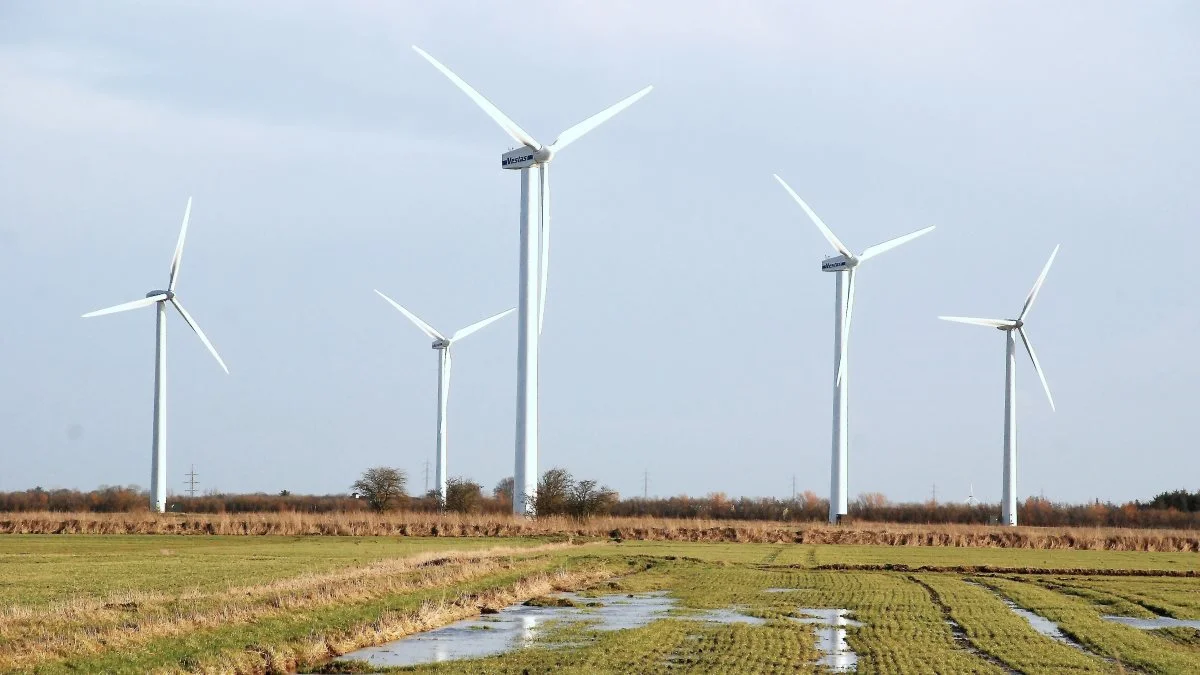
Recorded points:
(1079, 619)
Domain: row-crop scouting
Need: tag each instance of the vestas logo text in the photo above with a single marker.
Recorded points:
(516, 160)
(832, 265)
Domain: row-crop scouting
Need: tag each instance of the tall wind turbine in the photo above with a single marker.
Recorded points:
(844, 265)
(534, 266)
(1009, 326)
(158, 462)
(442, 344)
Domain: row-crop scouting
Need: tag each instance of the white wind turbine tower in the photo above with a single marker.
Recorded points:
(534, 266)
(844, 265)
(158, 462)
(1009, 326)
(442, 344)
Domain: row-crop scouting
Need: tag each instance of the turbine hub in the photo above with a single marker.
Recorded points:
(441, 344)
(544, 155)
(169, 294)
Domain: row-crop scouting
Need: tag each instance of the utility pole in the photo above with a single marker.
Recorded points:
(191, 481)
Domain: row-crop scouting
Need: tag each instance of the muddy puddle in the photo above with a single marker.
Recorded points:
(1156, 622)
(521, 626)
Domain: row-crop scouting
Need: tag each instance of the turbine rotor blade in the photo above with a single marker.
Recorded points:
(576, 132)
(544, 233)
(177, 259)
(125, 307)
(875, 250)
(479, 325)
(991, 323)
(829, 235)
(1037, 285)
(199, 333)
(1036, 365)
(425, 328)
(846, 323)
(506, 123)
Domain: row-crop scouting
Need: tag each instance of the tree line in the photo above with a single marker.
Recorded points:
(560, 493)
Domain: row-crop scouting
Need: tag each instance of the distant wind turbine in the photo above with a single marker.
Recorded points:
(1009, 326)
(844, 265)
(534, 264)
(442, 344)
(158, 463)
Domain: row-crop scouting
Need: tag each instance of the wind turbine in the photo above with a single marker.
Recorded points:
(158, 462)
(844, 265)
(534, 266)
(442, 344)
(1009, 326)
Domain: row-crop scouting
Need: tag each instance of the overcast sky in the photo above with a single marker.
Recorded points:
(689, 327)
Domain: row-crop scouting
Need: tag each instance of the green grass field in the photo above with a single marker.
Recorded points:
(140, 604)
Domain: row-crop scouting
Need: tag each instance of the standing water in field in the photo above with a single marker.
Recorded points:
(830, 626)
(1156, 622)
(514, 627)
(521, 626)
(1038, 622)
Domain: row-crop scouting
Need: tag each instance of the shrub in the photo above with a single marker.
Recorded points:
(463, 495)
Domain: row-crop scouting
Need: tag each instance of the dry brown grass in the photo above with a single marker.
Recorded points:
(32, 635)
(453, 525)
(390, 626)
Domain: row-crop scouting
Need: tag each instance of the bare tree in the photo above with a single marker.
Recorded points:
(554, 492)
(504, 490)
(588, 498)
(383, 487)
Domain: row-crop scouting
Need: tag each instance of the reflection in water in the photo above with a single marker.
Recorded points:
(528, 627)
(831, 636)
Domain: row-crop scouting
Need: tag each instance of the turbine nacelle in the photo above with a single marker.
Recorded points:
(522, 158)
(1016, 324)
(838, 263)
(170, 295)
(441, 344)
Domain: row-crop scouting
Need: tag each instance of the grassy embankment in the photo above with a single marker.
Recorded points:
(639, 529)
